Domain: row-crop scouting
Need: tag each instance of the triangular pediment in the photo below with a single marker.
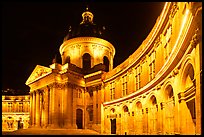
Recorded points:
(38, 72)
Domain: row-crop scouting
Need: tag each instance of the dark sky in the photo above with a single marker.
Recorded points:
(32, 32)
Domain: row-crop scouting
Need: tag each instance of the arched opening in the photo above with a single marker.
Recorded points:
(189, 92)
(188, 77)
(113, 126)
(113, 121)
(106, 63)
(125, 108)
(10, 123)
(125, 120)
(138, 118)
(169, 110)
(153, 115)
(79, 118)
(112, 110)
(86, 61)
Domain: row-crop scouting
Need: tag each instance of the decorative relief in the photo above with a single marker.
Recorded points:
(158, 87)
(181, 96)
(194, 39)
(94, 46)
(57, 85)
(157, 42)
(175, 72)
(130, 71)
(142, 60)
(78, 46)
(174, 10)
(168, 34)
(39, 71)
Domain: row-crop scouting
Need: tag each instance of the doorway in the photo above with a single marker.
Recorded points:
(113, 126)
(79, 118)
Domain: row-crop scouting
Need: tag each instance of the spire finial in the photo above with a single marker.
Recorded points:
(87, 7)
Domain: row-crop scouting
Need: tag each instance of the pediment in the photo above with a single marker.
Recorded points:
(38, 72)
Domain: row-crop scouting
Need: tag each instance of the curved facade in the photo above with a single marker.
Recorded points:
(157, 90)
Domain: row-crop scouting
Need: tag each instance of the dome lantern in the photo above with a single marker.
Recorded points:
(87, 16)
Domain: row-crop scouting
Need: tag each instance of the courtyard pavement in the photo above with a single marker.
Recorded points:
(39, 131)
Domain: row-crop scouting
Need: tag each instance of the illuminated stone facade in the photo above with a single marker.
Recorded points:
(15, 112)
(155, 91)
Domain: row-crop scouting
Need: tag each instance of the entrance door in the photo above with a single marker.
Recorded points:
(79, 118)
(113, 126)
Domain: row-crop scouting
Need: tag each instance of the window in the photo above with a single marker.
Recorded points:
(166, 46)
(106, 63)
(166, 51)
(91, 93)
(91, 115)
(10, 107)
(86, 61)
(137, 77)
(124, 85)
(112, 90)
(20, 107)
(79, 93)
(152, 65)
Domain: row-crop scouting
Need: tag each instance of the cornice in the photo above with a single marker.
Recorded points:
(92, 40)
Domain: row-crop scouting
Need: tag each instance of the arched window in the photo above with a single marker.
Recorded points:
(125, 108)
(86, 61)
(106, 63)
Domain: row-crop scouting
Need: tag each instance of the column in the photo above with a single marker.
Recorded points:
(54, 108)
(70, 106)
(37, 109)
(62, 108)
(145, 124)
(41, 109)
(31, 113)
(162, 118)
(74, 108)
(34, 109)
(66, 120)
(50, 107)
(46, 108)
(182, 113)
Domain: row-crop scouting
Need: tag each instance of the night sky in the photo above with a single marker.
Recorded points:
(32, 32)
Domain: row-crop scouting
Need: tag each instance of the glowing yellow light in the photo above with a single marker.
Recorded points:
(182, 27)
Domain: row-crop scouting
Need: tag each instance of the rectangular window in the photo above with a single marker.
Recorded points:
(167, 50)
(124, 85)
(20, 107)
(112, 90)
(10, 105)
(79, 93)
(137, 76)
(152, 65)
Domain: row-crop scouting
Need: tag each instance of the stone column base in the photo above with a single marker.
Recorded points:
(68, 126)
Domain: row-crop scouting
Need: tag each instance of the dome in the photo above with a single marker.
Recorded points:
(87, 28)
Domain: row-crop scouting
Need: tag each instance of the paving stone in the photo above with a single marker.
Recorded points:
(38, 131)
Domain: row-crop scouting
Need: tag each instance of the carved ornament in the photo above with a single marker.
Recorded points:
(38, 72)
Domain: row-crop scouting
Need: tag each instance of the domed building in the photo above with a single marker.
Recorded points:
(157, 90)
(68, 95)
